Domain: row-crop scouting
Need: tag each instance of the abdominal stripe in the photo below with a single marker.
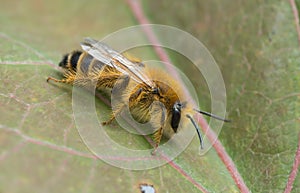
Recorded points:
(85, 63)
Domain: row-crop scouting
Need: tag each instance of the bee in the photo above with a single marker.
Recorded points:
(141, 88)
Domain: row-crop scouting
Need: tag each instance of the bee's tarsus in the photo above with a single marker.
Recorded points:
(109, 121)
(54, 79)
(154, 150)
(104, 123)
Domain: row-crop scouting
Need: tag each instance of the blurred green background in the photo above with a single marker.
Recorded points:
(254, 43)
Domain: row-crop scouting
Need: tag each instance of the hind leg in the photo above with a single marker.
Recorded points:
(113, 116)
(62, 80)
(118, 86)
(69, 78)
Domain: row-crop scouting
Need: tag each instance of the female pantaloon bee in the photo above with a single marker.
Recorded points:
(139, 86)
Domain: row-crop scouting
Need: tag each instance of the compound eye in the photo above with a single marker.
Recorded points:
(176, 115)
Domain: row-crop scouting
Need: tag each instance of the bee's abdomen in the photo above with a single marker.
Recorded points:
(69, 61)
(88, 64)
(84, 62)
(80, 61)
(64, 62)
(84, 70)
(74, 59)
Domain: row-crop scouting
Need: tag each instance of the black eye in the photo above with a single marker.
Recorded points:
(176, 115)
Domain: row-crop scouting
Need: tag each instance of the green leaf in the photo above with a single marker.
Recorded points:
(254, 43)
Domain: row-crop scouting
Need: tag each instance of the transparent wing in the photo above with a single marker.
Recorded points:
(110, 57)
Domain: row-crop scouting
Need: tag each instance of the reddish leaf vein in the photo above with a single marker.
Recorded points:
(296, 17)
(294, 171)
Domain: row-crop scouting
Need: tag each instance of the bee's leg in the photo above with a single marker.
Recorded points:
(157, 137)
(56, 80)
(160, 111)
(64, 80)
(110, 78)
(69, 78)
(118, 87)
(113, 116)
